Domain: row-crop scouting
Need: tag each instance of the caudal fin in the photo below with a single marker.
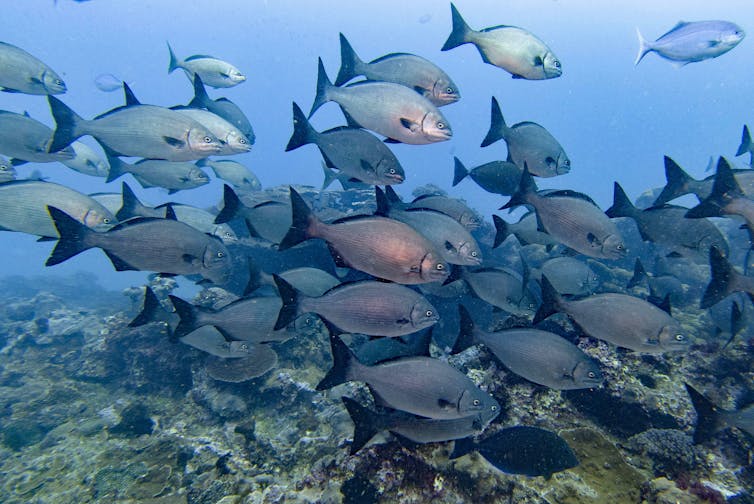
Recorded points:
(366, 423)
(644, 47)
(724, 188)
(525, 187)
(290, 297)
(465, 331)
(188, 314)
(639, 274)
(67, 123)
(551, 301)
(501, 230)
(301, 222)
(459, 33)
(707, 417)
(343, 359)
(118, 168)
(201, 98)
(461, 447)
(330, 176)
(497, 125)
(323, 84)
(460, 172)
(303, 133)
(350, 64)
(231, 205)
(622, 206)
(678, 182)
(150, 311)
(746, 145)
(72, 239)
(721, 283)
(173, 60)
(131, 206)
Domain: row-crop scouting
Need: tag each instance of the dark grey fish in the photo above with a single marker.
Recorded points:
(522, 450)
(160, 245)
(688, 42)
(367, 307)
(368, 423)
(213, 71)
(746, 145)
(384, 248)
(356, 153)
(568, 275)
(26, 140)
(262, 360)
(452, 207)
(659, 285)
(222, 107)
(539, 356)
(7, 172)
(171, 175)
(346, 182)
(211, 341)
(529, 145)
(409, 70)
(667, 225)
(500, 287)
(526, 231)
(623, 320)
(571, 218)
(311, 282)
(20, 72)
(725, 280)
(269, 220)
(679, 183)
(421, 386)
(513, 49)
(378, 350)
(497, 177)
(233, 172)
(389, 109)
(711, 419)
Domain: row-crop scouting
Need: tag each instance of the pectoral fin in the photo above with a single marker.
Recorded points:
(410, 125)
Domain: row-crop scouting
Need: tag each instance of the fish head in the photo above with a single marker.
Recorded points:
(197, 177)
(52, 83)
(237, 141)
(98, 166)
(590, 283)
(98, 220)
(470, 254)
(239, 348)
(202, 142)
(731, 37)
(423, 314)
(225, 233)
(433, 268)
(234, 75)
(445, 92)
(563, 164)
(470, 221)
(587, 374)
(435, 127)
(612, 247)
(474, 401)
(7, 172)
(307, 324)
(671, 338)
(216, 262)
(551, 66)
(390, 169)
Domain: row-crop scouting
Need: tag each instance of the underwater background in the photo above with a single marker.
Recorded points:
(94, 411)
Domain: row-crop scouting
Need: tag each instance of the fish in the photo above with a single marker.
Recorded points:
(269, 220)
(515, 50)
(422, 386)
(26, 140)
(211, 341)
(530, 451)
(23, 207)
(131, 206)
(659, 285)
(154, 311)
(409, 70)
(679, 183)
(529, 144)
(746, 145)
(346, 182)
(86, 161)
(213, 71)
(222, 107)
(623, 320)
(355, 152)
(451, 207)
(20, 72)
(368, 423)
(378, 350)
(389, 109)
(171, 175)
(667, 225)
(711, 419)
(526, 231)
(262, 359)
(7, 171)
(496, 177)
(311, 282)
(143, 244)
(233, 172)
(231, 139)
(568, 275)
(539, 356)
(725, 280)
(146, 131)
(689, 42)
(450, 238)
(365, 307)
(108, 83)
(382, 247)
(500, 287)
(571, 218)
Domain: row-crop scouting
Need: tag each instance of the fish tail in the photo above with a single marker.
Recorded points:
(303, 133)
(708, 419)
(551, 301)
(525, 187)
(323, 84)
(330, 176)
(73, 237)
(350, 63)
(456, 273)
(383, 205)
(677, 182)
(392, 196)
(131, 206)
(465, 331)
(724, 188)
(502, 230)
(722, 279)
(290, 297)
(460, 31)
(639, 274)
(366, 423)
(173, 65)
(497, 125)
(200, 94)
(460, 172)
(231, 205)
(461, 447)
(188, 314)
(746, 145)
(644, 47)
(118, 168)
(66, 125)
(255, 277)
(149, 310)
(302, 220)
(622, 206)
(343, 359)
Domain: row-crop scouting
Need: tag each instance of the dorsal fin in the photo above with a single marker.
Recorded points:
(131, 99)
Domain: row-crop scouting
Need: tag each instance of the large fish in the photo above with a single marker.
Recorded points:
(571, 218)
(366, 307)
(410, 70)
(23, 207)
(389, 109)
(356, 153)
(222, 107)
(213, 71)
(26, 140)
(529, 145)
(233, 172)
(384, 248)
(20, 72)
(146, 131)
(688, 42)
(423, 386)
(623, 320)
(513, 49)
(144, 244)
(711, 419)
(725, 280)
(539, 356)
(171, 175)
(497, 177)
(679, 183)
(231, 139)
(269, 220)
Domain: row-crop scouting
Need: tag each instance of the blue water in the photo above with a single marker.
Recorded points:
(615, 121)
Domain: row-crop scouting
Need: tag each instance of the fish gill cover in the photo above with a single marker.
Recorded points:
(187, 359)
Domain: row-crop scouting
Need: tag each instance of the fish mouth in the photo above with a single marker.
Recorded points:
(395, 178)
(238, 78)
(562, 170)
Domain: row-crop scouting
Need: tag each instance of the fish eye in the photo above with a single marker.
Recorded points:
(428, 313)
(567, 162)
(473, 253)
(220, 255)
(207, 139)
(440, 267)
(106, 220)
(58, 82)
(477, 402)
(620, 246)
(392, 171)
(592, 375)
(242, 141)
(679, 337)
(449, 90)
(557, 64)
(244, 346)
(494, 408)
(440, 125)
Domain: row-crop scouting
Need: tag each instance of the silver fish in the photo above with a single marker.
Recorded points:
(233, 172)
(231, 138)
(568, 275)
(173, 176)
(210, 340)
(20, 72)
(87, 161)
(452, 207)
(526, 231)
(222, 107)
(26, 140)
(688, 42)
(501, 288)
(213, 71)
